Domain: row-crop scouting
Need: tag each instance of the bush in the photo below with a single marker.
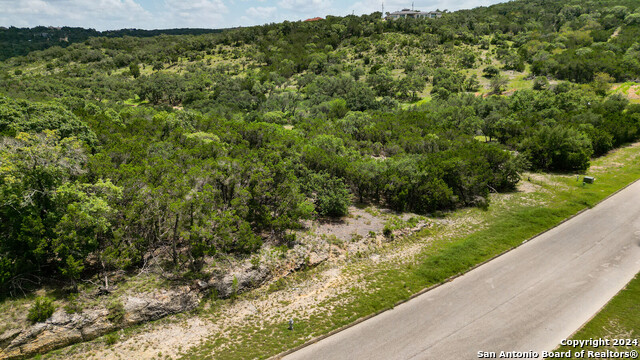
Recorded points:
(387, 232)
(558, 148)
(111, 338)
(332, 198)
(74, 306)
(234, 288)
(540, 83)
(116, 311)
(41, 310)
(498, 83)
(255, 261)
(490, 71)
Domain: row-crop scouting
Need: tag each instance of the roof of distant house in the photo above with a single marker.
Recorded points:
(315, 19)
(412, 12)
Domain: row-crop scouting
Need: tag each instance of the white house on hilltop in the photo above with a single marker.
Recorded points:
(413, 14)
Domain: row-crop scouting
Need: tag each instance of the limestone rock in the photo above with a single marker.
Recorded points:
(246, 278)
(8, 336)
(156, 306)
(316, 258)
(64, 329)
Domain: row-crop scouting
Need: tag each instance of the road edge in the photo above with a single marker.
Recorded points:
(599, 310)
(449, 279)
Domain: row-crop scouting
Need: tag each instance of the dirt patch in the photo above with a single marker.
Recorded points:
(610, 165)
(358, 223)
(543, 180)
(634, 92)
(616, 33)
(528, 187)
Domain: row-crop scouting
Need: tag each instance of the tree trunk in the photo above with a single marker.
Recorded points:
(175, 241)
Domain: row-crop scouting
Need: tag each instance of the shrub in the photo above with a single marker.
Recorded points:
(255, 261)
(41, 310)
(387, 232)
(498, 83)
(116, 311)
(111, 338)
(234, 288)
(558, 148)
(490, 71)
(333, 198)
(540, 83)
(73, 306)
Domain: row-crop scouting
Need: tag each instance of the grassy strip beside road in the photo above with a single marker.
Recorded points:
(506, 224)
(620, 319)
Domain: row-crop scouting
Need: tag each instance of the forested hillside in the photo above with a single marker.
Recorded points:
(21, 41)
(211, 145)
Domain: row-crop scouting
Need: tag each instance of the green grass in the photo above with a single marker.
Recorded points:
(625, 87)
(620, 319)
(136, 101)
(380, 288)
(629, 89)
(520, 83)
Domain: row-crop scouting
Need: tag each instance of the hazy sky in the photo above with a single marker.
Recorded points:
(162, 14)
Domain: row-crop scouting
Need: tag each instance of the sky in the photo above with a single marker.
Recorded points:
(166, 14)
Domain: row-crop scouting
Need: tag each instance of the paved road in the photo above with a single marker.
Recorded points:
(528, 299)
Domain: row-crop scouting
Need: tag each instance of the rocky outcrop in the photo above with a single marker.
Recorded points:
(64, 329)
(248, 276)
(316, 258)
(240, 280)
(147, 308)
(8, 336)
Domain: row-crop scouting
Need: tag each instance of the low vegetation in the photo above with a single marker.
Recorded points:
(191, 149)
(41, 310)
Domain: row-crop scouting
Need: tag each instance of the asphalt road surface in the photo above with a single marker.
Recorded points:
(528, 299)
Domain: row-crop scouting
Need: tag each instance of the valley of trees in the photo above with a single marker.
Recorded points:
(212, 144)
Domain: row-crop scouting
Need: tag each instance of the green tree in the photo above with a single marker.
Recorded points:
(381, 82)
(331, 196)
(540, 83)
(490, 71)
(602, 83)
(134, 68)
(498, 83)
(86, 220)
(51, 221)
(558, 148)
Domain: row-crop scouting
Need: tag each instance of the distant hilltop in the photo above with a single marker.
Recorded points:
(21, 41)
(413, 14)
